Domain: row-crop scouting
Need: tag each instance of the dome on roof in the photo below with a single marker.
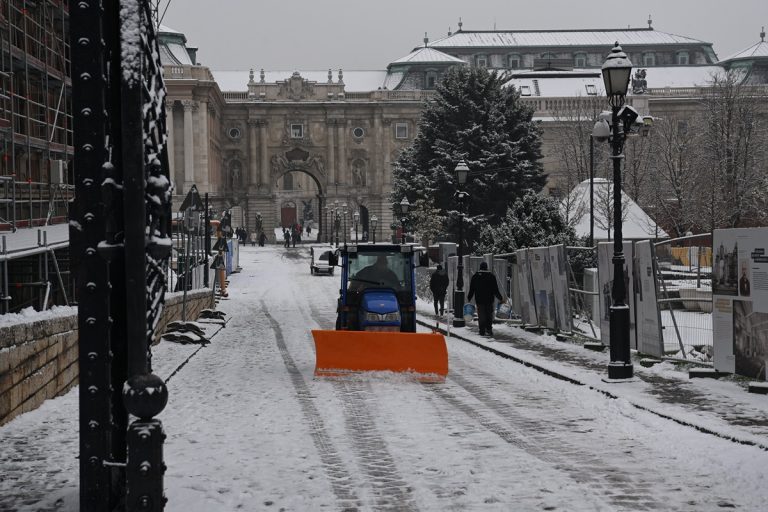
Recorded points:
(173, 48)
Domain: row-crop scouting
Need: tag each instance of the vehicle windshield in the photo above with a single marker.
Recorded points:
(324, 256)
(380, 269)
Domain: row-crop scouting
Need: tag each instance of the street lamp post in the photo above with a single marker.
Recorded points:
(344, 213)
(325, 223)
(462, 172)
(374, 223)
(616, 73)
(356, 217)
(336, 220)
(404, 205)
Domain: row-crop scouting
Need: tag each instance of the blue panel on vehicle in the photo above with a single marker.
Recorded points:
(379, 302)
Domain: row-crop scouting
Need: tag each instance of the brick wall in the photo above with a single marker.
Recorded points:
(38, 360)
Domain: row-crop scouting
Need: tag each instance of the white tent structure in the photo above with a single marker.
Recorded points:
(637, 225)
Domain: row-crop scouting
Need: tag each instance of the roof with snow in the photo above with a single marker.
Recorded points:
(588, 82)
(426, 55)
(581, 38)
(354, 80)
(756, 51)
(637, 224)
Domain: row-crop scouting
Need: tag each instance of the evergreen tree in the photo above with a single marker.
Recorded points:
(476, 119)
(533, 221)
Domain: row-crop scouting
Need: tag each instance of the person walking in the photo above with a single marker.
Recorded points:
(262, 239)
(287, 238)
(484, 288)
(253, 238)
(438, 285)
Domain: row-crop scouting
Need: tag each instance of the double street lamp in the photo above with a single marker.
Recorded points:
(374, 223)
(404, 205)
(356, 217)
(462, 172)
(616, 74)
(336, 219)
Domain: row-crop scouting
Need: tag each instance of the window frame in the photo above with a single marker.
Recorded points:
(398, 126)
(679, 56)
(481, 57)
(577, 57)
(514, 57)
(525, 90)
(649, 59)
(301, 127)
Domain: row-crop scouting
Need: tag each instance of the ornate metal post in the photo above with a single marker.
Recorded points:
(87, 231)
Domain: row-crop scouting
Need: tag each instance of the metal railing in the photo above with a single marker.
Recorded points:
(26, 204)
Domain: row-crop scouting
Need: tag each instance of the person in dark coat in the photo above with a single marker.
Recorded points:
(287, 237)
(438, 284)
(262, 239)
(484, 288)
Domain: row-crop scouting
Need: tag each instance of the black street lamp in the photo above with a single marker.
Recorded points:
(404, 205)
(325, 223)
(344, 213)
(374, 223)
(336, 219)
(462, 172)
(616, 73)
(356, 217)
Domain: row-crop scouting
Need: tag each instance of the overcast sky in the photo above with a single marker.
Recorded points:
(369, 34)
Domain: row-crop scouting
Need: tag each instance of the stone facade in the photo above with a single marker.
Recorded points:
(38, 360)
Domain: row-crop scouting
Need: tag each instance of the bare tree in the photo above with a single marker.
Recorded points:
(734, 136)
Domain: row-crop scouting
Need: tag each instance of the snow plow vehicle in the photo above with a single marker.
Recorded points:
(376, 317)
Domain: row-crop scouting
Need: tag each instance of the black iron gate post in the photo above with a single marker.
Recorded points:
(87, 227)
(120, 234)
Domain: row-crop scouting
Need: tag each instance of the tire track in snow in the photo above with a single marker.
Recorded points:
(538, 438)
(391, 491)
(340, 479)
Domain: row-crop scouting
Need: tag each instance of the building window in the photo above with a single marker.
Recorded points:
(431, 80)
(297, 131)
(481, 61)
(580, 60)
(649, 59)
(682, 127)
(513, 61)
(288, 182)
(358, 133)
(591, 90)
(401, 130)
(683, 58)
(548, 56)
(555, 192)
(525, 90)
(234, 133)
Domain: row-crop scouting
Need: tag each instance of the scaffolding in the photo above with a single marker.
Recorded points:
(35, 113)
(35, 144)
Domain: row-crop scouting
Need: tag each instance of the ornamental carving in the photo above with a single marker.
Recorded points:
(297, 160)
(296, 88)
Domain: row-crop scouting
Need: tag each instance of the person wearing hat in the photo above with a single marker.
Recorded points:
(438, 284)
(484, 288)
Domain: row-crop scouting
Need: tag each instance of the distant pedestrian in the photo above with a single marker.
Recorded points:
(262, 239)
(254, 237)
(438, 284)
(287, 237)
(484, 288)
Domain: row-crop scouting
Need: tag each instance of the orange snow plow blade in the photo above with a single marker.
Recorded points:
(343, 352)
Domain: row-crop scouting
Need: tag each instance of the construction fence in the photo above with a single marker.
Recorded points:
(568, 290)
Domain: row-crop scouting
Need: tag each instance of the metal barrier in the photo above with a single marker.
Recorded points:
(583, 291)
(684, 269)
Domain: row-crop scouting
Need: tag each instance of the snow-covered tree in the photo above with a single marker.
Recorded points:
(532, 221)
(474, 118)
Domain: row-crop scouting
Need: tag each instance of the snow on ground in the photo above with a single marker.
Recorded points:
(250, 428)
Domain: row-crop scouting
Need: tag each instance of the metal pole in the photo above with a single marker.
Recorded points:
(620, 366)
(402, 230)
(458, 295)
(591, 191)
(207, 242)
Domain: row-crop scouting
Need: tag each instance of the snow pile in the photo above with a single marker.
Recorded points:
(28, 315)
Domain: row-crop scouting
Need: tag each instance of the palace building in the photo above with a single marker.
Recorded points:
(286, 144)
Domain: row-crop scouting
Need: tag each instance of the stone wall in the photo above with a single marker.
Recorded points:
(39, 360)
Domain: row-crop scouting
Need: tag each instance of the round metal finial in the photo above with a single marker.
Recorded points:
(145, 396)
(460, 24)
(762, 35)
(426, 40)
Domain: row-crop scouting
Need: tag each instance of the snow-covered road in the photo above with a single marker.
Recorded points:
(250, 428)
